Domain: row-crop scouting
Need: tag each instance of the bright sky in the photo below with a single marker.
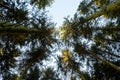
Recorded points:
(63, 8)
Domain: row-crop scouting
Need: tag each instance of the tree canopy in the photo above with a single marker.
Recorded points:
(90, 39)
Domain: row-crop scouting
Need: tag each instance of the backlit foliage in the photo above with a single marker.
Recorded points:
(65, 32)
(95, 36)
(28, 41)
(26, 38)
(42, 3)
(66, 55)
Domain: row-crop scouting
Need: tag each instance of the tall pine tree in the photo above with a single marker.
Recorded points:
(93, 32)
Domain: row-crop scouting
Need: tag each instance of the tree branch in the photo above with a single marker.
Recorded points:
(19, 30)
(109, 8)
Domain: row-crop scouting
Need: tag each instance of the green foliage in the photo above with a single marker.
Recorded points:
(27, 39)
(94, 39)
(23, 44)
(34, 74)
(49, 74)
(12, 13)
(42, 3)
(105, 70)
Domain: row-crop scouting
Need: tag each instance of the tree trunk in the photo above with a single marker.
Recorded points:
(82, 50)
(19, 30)
(81, 75)
(105, 61)
(113, 6)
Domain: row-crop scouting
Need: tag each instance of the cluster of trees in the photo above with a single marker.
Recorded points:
(93, 33)
(26, 36)
(91, 39)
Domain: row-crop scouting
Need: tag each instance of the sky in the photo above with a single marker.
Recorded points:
(62, 8)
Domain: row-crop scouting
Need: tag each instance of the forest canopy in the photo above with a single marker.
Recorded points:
(29, 40)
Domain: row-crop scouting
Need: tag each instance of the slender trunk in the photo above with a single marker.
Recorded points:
(112, 40)
(105, 61)
(82, 50)
(81, 75)
(113, 6)
(95, 15)
(112, 54)
(115, 28)
(19, 30)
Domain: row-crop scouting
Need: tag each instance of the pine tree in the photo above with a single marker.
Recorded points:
(94, 34)
(25, 37)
